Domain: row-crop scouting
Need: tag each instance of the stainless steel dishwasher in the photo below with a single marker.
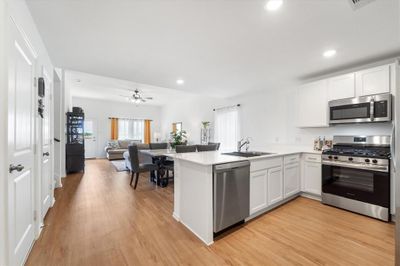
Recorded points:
(231, 194)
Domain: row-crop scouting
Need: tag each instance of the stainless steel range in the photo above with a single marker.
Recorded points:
(356, 175)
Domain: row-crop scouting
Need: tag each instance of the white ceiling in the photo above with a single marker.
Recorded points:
(219, 47)
(91, 86)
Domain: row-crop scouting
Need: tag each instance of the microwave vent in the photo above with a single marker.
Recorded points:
(357, 4)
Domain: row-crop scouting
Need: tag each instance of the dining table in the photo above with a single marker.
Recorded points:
(158, 157)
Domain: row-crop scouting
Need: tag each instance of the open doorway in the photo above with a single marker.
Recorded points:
(90, 138)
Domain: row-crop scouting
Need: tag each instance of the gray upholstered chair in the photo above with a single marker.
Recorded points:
(216, 143)
(135, 167)
(185, 148)
(209, 147)
(158, 146)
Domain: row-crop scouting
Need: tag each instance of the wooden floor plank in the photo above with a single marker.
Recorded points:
(98, 219)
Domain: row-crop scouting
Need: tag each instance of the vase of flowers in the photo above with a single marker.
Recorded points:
(178, 138)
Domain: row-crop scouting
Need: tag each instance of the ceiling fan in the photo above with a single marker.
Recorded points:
(136, 97)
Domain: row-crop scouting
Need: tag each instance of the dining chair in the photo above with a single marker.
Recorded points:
(135, 167)
(185, 148)
(209, 147)
(217, 143)
(158, 146)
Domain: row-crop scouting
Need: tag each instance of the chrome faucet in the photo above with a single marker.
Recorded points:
(240, 144)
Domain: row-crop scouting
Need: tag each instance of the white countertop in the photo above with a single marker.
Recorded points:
(215, 157)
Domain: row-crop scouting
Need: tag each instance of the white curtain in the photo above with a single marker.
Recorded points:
(131, 129)
(227, 128)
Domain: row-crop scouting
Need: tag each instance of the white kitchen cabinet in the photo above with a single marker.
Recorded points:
(342, 87)
(312, 174)
(291, 179)
(313, 104)
(373, 80)
(275, 185)
(258, 190)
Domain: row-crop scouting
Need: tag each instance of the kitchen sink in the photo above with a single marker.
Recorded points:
(247, 153)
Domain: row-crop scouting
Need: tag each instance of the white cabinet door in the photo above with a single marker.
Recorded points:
(313, 104)
(291, 179)
(312, 177)
(275, 185)
(374, 80)
(342, 87)
(258, 191)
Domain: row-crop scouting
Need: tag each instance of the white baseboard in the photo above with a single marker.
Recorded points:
(310, 196)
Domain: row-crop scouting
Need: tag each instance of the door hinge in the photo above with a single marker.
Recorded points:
(34, 215)
(35, 82)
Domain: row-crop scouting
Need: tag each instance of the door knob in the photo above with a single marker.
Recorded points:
(46, 154)
(13, 168)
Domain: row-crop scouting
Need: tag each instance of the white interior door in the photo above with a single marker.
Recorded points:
(90, 138)
(46, 182)
(21, 112)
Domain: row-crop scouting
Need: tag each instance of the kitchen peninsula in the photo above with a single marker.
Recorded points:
(274, 179)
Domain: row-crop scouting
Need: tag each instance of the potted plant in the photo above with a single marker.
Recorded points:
(178, 138)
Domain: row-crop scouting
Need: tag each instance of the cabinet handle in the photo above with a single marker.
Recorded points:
(46, 154)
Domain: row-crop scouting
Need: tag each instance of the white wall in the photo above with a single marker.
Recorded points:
(100, 111)
(191, 111)
(270, 118)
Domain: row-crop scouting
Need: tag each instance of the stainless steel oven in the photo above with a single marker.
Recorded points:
(365, 109)
(356, 176)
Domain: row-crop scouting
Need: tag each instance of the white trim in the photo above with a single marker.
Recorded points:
(208, 243)
(3, 134)
(310, 196)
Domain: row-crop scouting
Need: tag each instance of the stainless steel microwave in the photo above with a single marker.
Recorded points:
(364, 109)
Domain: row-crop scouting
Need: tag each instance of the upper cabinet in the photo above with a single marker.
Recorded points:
(342, 87)
(313, 104)
(313, 97)
(373, 81)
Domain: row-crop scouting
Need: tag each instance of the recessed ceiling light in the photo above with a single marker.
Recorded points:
(273, 5)
(180, 81)
(329, 53)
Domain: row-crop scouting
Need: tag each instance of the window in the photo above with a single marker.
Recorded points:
(131, 129)
(227, 128)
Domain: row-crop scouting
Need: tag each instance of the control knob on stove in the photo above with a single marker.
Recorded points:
(367, 160)
(374, 161)
(350, 159)
(330, 157)
(335, 158)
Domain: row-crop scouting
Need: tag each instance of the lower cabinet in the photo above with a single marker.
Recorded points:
(258, 191)
(312, 177)
(291, 179)
(275, 185)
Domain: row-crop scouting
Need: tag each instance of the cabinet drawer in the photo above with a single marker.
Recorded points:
(312, 158)
(291, 158)
(257, 165)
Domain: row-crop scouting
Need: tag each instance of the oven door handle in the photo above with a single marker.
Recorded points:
(384, 169)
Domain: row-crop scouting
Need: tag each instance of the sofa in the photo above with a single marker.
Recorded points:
(115, 148)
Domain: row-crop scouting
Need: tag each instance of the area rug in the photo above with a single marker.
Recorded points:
(119, 165)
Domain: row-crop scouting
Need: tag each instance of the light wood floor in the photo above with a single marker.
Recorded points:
(98, 219)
